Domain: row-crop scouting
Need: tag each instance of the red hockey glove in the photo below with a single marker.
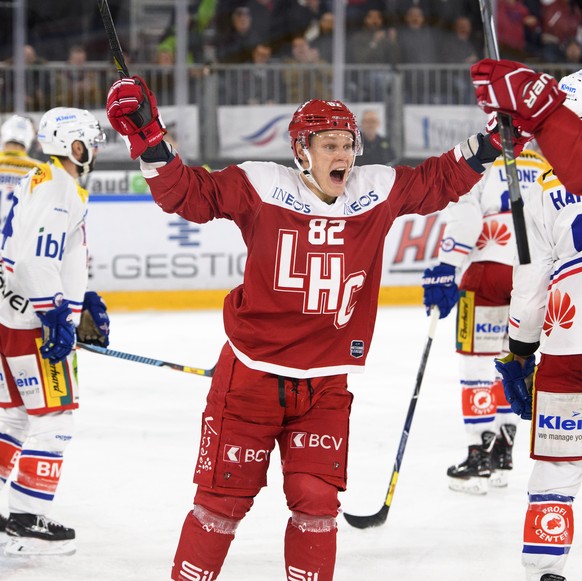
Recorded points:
(519, 140)
(510, 87)
(132, 110)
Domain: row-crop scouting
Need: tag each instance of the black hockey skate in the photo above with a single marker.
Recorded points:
(3, 521)
(552, 577)
(472, 475)
(31, 534)
(501, 456)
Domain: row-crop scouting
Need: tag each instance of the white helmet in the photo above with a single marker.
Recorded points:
(572, 86)
(18, 129)
(61, 126)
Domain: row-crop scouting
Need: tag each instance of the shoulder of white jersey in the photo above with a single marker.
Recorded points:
(549, 179)
(52, 176)
(534, 156)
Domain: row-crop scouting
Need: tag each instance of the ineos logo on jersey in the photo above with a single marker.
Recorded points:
(193, 573)
(305, 440)
(326, 287)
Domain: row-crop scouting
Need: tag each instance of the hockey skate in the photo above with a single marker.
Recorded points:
(552, 577)
(472, 475)
(31, 534)
(501, 456)
(3, 521)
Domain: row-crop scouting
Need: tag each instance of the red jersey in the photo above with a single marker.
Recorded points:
(308, 303)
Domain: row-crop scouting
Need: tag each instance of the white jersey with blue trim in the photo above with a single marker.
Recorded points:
(548, 292)
(44, 251)
(479, 227)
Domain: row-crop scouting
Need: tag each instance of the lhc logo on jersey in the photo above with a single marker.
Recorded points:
(322, 279)
(560, 311)
(493, 232)
(296, 574)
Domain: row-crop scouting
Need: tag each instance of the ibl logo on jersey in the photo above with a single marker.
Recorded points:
(305, 440)
(50, 247)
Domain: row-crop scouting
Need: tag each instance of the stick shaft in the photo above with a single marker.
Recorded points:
(506, 133)
(116, 51)
(146, 360)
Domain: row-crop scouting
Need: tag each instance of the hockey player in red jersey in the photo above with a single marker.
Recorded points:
(300, 322)
(545, 308)
(478, 245)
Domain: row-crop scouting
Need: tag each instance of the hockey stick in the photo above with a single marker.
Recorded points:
(116, 51)
(375, 520)
(506, 134)
(147, 360)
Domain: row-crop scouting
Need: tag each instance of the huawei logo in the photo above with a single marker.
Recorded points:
(560, 311)
(493, 232)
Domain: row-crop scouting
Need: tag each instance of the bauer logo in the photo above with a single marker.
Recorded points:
(296, 574)
(357, 349)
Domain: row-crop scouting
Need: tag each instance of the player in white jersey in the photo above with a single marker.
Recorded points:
(17, 135)
(545, 307)
(43, 305)
(302, 319)
(478, 242)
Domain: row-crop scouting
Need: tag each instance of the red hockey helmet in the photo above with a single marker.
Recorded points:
(317, 115)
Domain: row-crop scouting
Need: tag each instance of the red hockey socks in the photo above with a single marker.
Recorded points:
(203, 546)
(310, 547)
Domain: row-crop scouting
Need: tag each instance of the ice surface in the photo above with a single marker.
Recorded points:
(127, 476)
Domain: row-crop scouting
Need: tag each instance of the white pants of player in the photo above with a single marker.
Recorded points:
(551, 478)
(43, 437)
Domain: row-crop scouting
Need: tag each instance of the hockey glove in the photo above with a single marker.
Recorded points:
(58, 333)
(517, 383)
(511, 87)
(440, 289)
(519, 140)
(94, 325)
(132, 110)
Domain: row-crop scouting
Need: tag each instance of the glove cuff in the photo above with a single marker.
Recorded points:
(479, 152)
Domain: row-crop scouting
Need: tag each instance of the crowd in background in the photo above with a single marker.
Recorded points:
(255, 33)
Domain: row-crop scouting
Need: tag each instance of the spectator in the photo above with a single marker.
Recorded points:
(307, 77)
(237, 45)
(37, 82)
(561, 20)
(419, 43)
(573, 51)
(373, 45)
(459, 48)
(76, 86)
(513, 17)
(395, 10)
(323, 42)
(293, 18)
(261, 84)
(376, 147)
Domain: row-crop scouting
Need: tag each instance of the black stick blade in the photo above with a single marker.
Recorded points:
(365, 522)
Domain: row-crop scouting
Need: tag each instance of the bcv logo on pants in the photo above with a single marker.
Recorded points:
(305, 440)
